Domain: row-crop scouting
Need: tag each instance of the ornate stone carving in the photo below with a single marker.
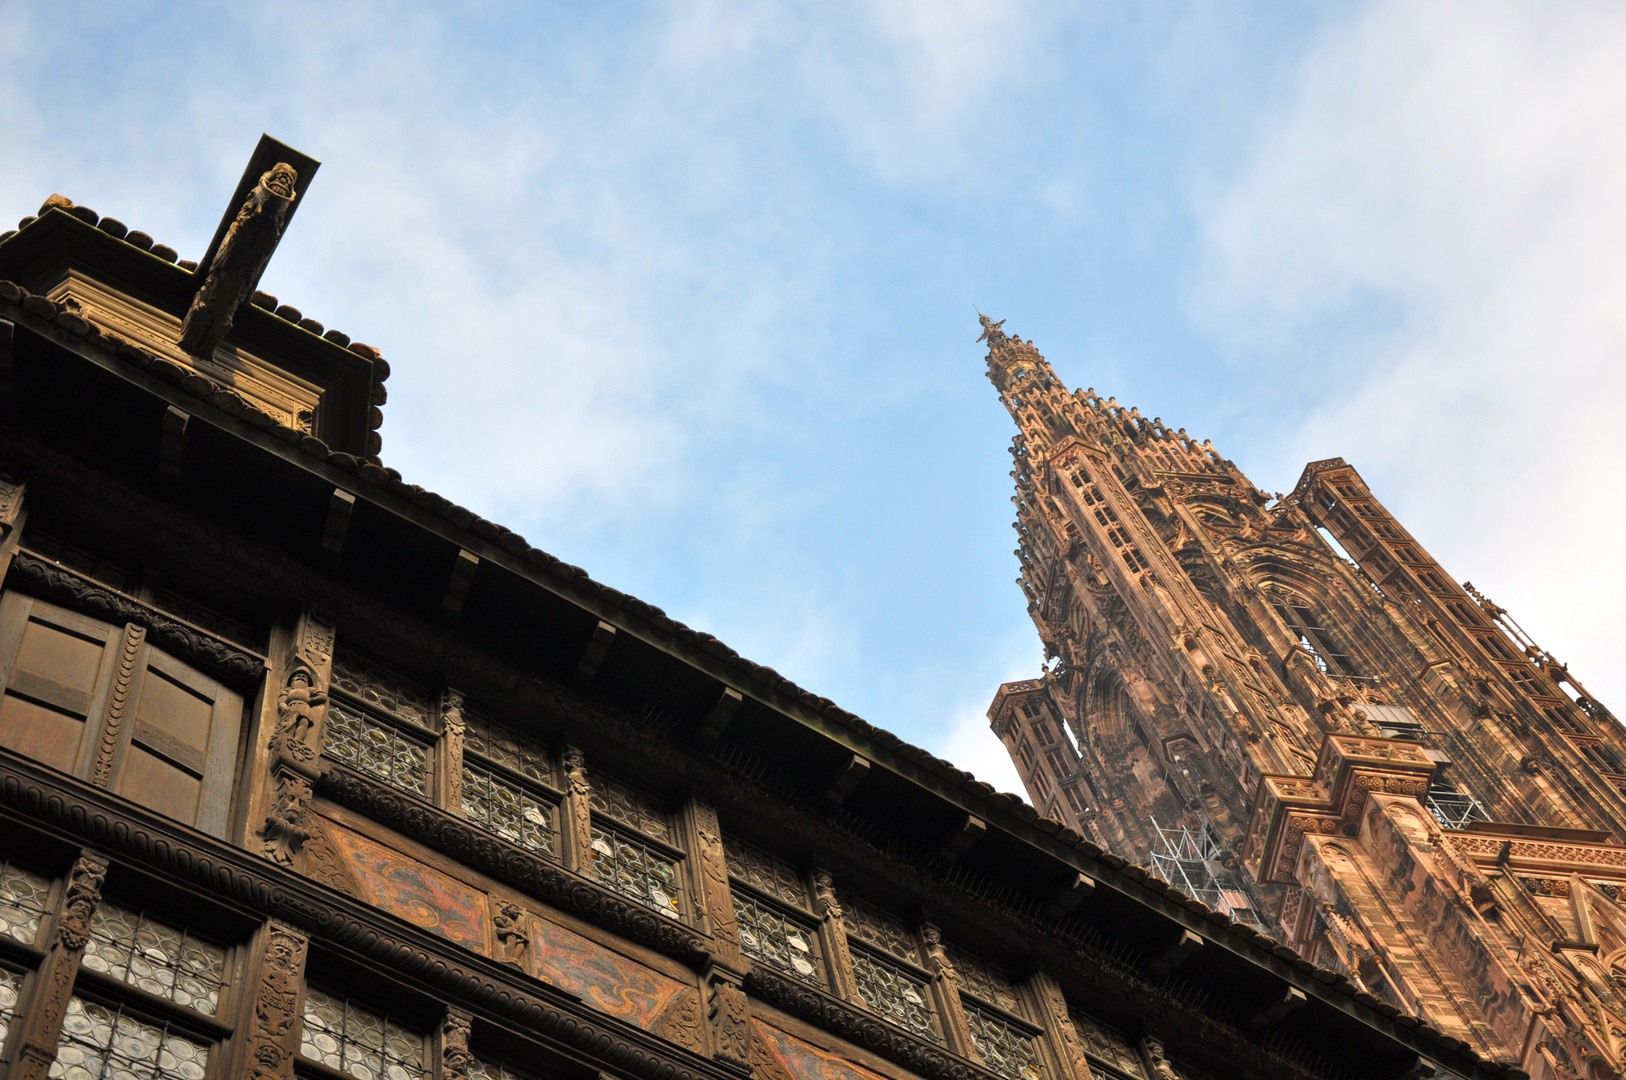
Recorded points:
(118, 702)
(455, 1058)
(198, 647)
(238, 263)
(274, 1041)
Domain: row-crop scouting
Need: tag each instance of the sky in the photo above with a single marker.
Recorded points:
(686, 293)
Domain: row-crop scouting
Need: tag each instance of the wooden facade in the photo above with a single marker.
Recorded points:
(306, 771)
(1288, 707)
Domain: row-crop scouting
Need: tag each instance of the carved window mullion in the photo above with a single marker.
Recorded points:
(42, 1027)
(451, 1055)
(833, 937)
(945, 988)
(297, 738)
(268, 1018)
(12, 514)
(453, 729)
(708, 882)
(576, 819)
(1062, 1046)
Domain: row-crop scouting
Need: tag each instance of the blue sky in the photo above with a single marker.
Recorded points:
(684, 292)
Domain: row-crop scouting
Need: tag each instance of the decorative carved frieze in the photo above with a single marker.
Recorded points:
(231, 662)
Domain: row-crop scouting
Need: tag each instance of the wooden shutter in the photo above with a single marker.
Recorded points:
(179, 750)
(56, 667)
(173, 749)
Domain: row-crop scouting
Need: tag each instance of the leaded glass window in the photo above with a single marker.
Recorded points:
(100, 1041)
(629, 806)
(501, 744)
(637, 871)
(1004, 1049)
(355, 1040)
(378, 686)
(898, 995)
(763, 871)
(986, 981)
(378, 749)
(775, 939)
(880, 928)
(11, 985)
(23, 899)
(507, 809)
(156, 957)
(483, 1069)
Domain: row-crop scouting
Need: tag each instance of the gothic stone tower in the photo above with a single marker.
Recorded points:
(1375, 762)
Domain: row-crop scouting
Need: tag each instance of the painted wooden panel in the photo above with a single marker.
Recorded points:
(608, 980)
(804, 1061)
(406, 887)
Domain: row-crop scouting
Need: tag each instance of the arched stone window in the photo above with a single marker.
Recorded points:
(1312, 630)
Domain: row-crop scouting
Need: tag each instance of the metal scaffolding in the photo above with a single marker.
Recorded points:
(1190, 859)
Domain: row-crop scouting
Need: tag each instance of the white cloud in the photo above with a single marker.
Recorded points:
(1435, 225)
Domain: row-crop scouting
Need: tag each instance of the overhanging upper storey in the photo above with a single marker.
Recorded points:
(209, 320)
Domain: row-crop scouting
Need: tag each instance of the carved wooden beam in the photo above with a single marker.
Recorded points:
(716, 721)
(593, 655)
(457, 586)
(42, 1025)
(1066, 898)
(339, 509)
(847, 780)
(963, 835)
(1277, 1007)
(248, 235)
(1178, 951)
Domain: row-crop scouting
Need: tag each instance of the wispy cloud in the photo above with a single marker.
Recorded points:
(1431, 233)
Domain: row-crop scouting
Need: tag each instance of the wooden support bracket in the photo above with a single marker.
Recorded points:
(597, 646)
(338, 522)
(1278, 1007)
(847, 780)
(717, 720)
(1178, 951)
(1066, 898)
(457, 586)
(963, 835)
(172, 442)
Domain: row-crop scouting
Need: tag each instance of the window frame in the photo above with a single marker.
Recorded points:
(429, 737)
(543, 791)
(321, 1070)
